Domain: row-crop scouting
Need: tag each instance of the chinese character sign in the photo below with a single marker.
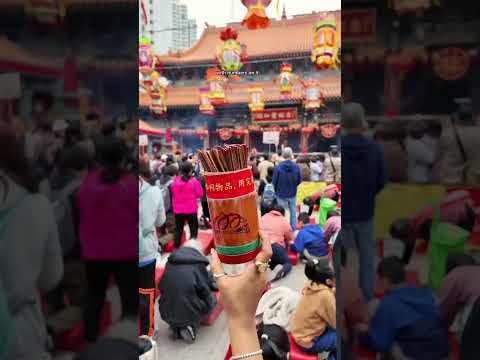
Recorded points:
(280, 115)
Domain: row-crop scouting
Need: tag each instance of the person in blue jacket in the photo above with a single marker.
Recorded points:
(310, 242)
(364, 175)
(407, 316)
(286, 179)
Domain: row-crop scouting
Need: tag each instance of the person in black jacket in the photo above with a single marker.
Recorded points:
(186, 292)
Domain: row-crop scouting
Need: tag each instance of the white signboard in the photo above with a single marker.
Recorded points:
(10, 86)
(143, 140)
(271, 137)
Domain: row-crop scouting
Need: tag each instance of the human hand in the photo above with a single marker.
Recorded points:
(241, 294)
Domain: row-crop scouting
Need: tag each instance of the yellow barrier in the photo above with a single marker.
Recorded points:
(308, 189)
(397, 201)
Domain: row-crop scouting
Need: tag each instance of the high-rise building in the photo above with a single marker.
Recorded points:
(167, 25)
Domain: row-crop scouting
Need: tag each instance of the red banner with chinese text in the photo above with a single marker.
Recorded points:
(230, 184)
(282, 115)
(359, 25)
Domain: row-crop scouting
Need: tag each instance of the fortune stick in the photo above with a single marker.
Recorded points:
(232, 201)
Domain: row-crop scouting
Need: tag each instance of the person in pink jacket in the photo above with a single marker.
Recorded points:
(278, 229)
(186, 190)
(108, 211)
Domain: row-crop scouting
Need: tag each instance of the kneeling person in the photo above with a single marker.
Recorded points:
(186, 291)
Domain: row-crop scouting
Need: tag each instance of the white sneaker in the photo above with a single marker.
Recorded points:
(276, 273)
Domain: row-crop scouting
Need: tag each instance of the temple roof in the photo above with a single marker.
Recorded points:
(282, 37)
(237, 93)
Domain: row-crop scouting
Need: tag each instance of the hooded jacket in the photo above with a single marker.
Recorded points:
(185, 289)
(409, 317)
(315, 312)
(185, 195)
(286, 179)
(311, 237)
(364, 176)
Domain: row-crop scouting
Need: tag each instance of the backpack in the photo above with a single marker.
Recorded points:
(142, 232)
(64, 216)
(268, 196)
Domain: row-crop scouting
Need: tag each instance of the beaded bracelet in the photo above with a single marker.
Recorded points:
(246, 356)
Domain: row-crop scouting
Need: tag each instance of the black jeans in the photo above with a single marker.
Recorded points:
(180, 222)
(146, 284)
(98, 274)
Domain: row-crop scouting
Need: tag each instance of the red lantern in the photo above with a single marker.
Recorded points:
(451, 63)
(256, 17)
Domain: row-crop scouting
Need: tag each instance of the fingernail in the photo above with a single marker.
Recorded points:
(212, 251)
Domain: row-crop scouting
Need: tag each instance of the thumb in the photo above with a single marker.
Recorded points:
(215, 263)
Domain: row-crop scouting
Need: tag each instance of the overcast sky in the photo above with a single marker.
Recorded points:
(220, 12)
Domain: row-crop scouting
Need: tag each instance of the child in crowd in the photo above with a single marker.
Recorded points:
(310, 241)
(407, 320)
(313, 323)
(274, 342)
(266, 191)
(186, 190)
(277, 228)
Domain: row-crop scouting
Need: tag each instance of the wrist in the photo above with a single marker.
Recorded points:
(242, 323)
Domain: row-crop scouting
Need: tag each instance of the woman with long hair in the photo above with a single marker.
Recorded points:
(186, 190)
(30, 252)
(108, 208)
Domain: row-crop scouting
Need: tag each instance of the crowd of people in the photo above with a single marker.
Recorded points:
(431, 151)
(410, 320)
(187, 282)
(69, 199)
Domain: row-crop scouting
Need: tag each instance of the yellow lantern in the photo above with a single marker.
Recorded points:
(325, 45)
(217, 84)
(256, 103)
(313, 97)
(158, 93)
(285, 80)
(206, 106)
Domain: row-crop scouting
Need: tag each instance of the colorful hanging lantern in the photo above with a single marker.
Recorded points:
(256, 103)
(256, 17)
(217, 84)
(206, 106)
(285, 80)
(146, 59)
(313, 97)
(158, 93)
(229, 54)
(325, 45)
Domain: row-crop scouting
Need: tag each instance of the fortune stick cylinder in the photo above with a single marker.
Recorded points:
(232, 201)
